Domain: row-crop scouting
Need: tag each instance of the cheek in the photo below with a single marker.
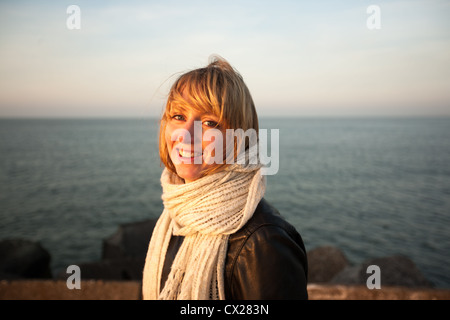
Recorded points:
(168, 136)
(214, 146)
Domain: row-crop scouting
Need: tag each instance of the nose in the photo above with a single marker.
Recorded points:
(189, 133)
(189, 126)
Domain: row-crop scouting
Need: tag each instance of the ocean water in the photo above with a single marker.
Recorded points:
(373, 187)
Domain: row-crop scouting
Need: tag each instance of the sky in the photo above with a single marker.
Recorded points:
(298, 58)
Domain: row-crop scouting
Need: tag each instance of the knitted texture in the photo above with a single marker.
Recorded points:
(205, 211)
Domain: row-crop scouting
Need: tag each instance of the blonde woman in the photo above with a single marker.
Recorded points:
(218, 238)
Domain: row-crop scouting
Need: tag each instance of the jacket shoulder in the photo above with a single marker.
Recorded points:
(265, 214)
(265, 246)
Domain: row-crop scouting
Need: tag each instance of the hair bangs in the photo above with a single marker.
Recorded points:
(193, 91)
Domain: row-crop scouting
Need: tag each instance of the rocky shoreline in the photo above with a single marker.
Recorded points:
(123, 256)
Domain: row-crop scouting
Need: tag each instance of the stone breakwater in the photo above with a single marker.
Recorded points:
(131, 290)
(119, 272)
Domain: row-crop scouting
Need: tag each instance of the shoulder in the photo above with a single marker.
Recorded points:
(266, 220)
(265, 246)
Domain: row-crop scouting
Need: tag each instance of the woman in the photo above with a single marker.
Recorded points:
(218, 238)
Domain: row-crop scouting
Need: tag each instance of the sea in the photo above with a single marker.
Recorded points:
(373, 187)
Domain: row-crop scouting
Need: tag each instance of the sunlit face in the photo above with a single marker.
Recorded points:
(187, 144)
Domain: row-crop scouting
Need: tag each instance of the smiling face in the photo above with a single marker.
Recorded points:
(206, 101)
(189, 152)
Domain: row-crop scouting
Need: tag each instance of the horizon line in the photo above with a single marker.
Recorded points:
(259, 117)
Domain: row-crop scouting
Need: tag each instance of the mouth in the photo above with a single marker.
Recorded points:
(187, 154)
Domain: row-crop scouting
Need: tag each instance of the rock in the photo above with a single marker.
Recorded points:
(123, 254)
(129, 241)
(350, 275)
(23, 259)
(324, 263)
(118, 269)
(396, 270)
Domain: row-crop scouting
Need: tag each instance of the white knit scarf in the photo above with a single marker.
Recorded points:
(205, 211)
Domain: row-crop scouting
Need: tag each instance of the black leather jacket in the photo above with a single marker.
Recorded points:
(266, 259)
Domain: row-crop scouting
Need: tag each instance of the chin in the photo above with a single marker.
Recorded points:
(188, 175)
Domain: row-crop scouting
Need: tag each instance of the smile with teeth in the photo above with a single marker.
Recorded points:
(187, 154)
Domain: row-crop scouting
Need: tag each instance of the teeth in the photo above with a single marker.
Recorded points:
(186, 154)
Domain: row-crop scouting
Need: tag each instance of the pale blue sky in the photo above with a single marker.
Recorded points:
(299, 58)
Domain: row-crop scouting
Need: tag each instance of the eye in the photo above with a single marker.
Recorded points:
(178, 117)
(211, 123)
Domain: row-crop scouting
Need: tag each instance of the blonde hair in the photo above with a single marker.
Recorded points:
(218, 89)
